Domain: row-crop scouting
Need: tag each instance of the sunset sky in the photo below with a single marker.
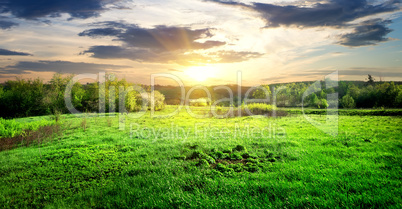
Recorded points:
(202, 41)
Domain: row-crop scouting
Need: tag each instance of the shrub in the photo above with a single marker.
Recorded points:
(200, 102)
(323, 104)
(145, 98)
(347, 101)
(258, 109)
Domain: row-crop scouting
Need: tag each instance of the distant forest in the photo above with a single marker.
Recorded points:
(351, 94)
(33, 97)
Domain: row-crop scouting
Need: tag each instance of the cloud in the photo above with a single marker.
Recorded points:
(392, 72)
(368, 33)
(58, 66)
(5, 52)
(232, 56)
(101, 32)
(160, 38)
(6, 24)
(174, 70)
(29, 9)
(161, 44)
(179, 57)
(334, 13)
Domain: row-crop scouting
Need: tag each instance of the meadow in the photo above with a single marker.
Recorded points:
(95, 161)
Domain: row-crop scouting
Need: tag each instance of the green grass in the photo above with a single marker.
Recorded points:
(296, 165)
(11, 128)
(348, 112)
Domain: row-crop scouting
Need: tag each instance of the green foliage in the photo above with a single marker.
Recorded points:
(21, 98)
(323, 104)
(260, 93)
(84, 124)
(203, 163)
(240, 148)
(349, 112)
(132, 103)
(200, 102)
(314, 102)
(347, 102)
(12, 128)
(236, 156)
(25, 97)
(103, 168)
(257, 109)
(158, 99)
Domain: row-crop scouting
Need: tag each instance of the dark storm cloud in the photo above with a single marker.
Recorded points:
(368, 33)
(160, 38)
(58, 66)
(5, 52)
(32, 9)
(179, 57)
(335, 13)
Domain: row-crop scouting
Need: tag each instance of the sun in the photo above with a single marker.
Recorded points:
(200, 73)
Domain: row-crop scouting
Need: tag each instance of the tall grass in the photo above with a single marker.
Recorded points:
(12, 128)
(259, 109)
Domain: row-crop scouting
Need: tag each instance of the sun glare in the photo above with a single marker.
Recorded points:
(201, 73)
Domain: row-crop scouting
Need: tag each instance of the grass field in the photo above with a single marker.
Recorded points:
(184, 162)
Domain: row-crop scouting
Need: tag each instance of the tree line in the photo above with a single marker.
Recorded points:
(33, 97)
(351, 94)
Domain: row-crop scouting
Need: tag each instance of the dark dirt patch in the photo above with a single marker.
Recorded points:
(223, 161)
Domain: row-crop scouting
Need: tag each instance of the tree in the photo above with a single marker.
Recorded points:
(353, 91)
(347, 101)
(21, 98)
(323, 104)
(314, 102)
(54, 97)
(370, 80)
(145, 98)
(262, 93)
(398, 99)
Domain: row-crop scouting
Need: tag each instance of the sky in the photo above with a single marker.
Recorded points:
(202, 41)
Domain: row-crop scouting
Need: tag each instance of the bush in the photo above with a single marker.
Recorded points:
(259, 109)
(26, 97)
(201, 102)
(145, 98)
(347, 101)
(323, 104)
